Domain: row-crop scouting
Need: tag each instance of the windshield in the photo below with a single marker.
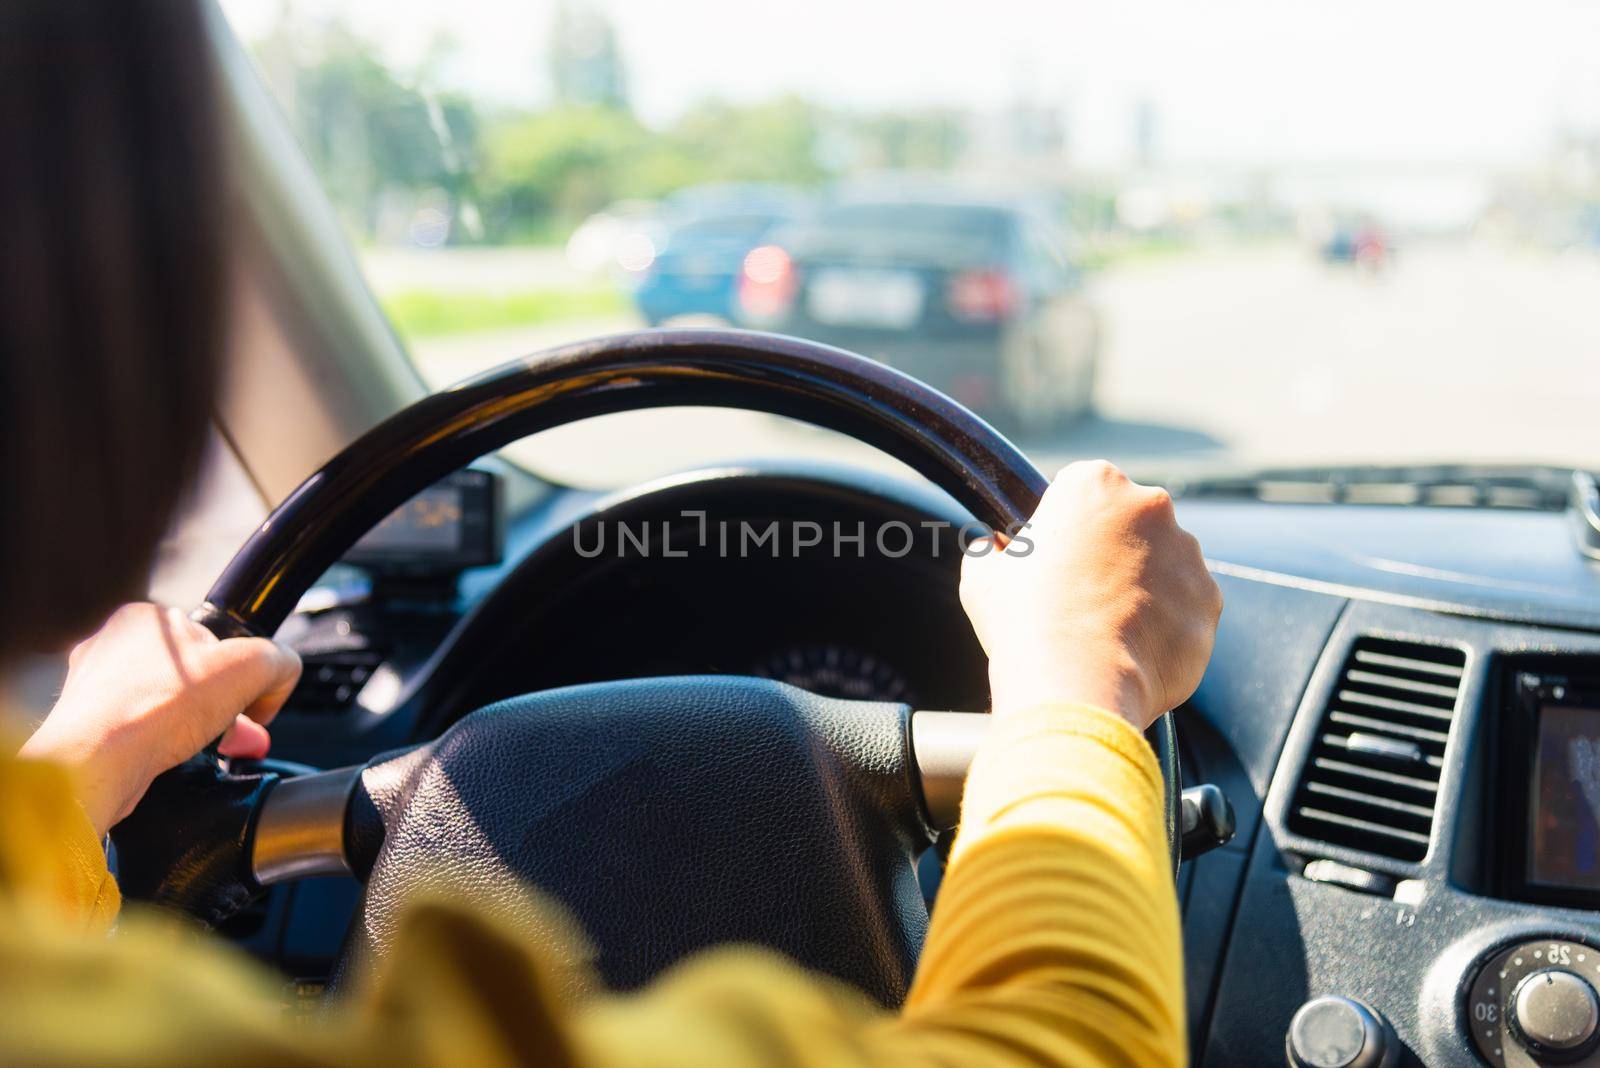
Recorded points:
(1187, 237)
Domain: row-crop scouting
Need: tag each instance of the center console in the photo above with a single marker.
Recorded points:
(1428, 887)
(1534, 1001)
(1548, 782)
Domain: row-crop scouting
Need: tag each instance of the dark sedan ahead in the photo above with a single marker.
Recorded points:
(978, 299)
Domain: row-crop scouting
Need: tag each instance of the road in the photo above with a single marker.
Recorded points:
(1233, 358)
(1459, 352)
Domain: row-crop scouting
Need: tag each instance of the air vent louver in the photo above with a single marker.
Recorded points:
(1372, 780)
(329, 682)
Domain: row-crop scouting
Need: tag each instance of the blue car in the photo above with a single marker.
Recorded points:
(694, 267)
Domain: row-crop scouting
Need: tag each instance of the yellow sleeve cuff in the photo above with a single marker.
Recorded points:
(1057, 765)
(49, 854)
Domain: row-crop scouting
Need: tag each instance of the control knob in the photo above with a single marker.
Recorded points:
(1556, 1014)
(1335, 1032)
(1535, 1002)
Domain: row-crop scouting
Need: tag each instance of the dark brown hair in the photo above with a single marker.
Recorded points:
(111, 299)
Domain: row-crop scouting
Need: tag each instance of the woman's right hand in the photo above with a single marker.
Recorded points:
(149, 690)
(1102, 600)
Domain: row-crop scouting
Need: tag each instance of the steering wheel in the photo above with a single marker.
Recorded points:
(665, 815)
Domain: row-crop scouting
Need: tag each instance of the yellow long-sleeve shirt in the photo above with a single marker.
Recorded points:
(1055, 942)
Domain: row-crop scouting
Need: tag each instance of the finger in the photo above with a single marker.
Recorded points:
(1088, 473)
(985, 545)
(972, 563)
(979, 551)
(252, 675)
(1155, 503)
(246, 739)
(1078, 482)
(267, 706)
(976, 569)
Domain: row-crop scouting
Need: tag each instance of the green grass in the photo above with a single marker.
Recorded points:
(1134, 250)
(430, 313)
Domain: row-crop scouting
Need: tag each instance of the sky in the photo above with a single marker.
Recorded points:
(1357, 82)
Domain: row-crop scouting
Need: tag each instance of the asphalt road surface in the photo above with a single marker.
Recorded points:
(1458, 352)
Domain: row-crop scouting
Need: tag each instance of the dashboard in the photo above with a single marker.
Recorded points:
(1403, 708)
(607, 601)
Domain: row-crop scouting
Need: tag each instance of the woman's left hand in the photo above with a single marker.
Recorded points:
(148, 691)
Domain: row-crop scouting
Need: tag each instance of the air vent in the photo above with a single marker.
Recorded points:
(329, 682)
(1373, 777)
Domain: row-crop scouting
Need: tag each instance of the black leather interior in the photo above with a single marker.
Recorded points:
(666, 816)
(187, 844)
(1163, 738)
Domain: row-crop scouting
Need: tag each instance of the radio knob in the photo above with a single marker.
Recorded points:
(1556, 1014)
(1335, 1032)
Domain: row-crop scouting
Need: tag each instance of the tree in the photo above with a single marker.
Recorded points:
(366, 130)
(773, 141)
(545, 171)
(585, 61)
(930, 141)
(556, 166)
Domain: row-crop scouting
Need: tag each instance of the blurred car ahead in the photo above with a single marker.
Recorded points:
(595, 245)
(978, 299)
(1363, 244)
(690, 264)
